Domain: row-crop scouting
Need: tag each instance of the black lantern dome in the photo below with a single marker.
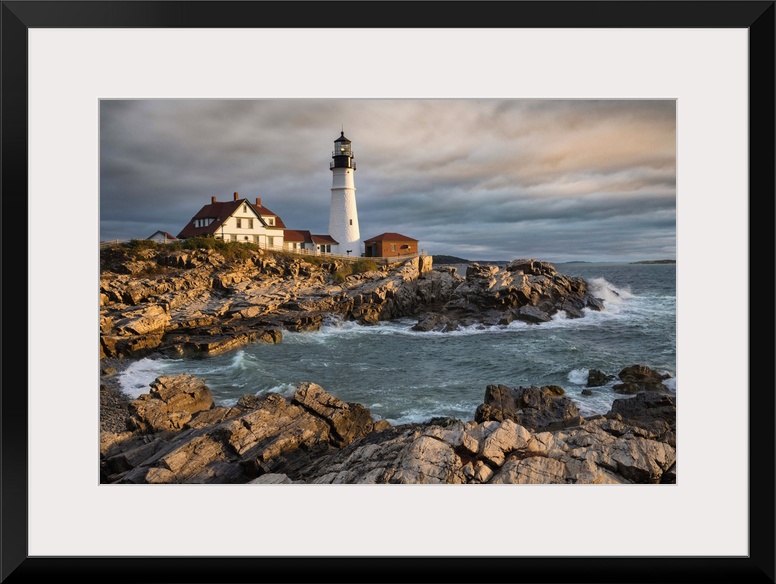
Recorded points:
(343, 154)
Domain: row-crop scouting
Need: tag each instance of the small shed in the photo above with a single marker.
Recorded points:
(389, 245)
(163, 237)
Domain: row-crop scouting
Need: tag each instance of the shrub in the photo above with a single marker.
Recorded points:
(140, 244)
(231, 250)
(363, 265)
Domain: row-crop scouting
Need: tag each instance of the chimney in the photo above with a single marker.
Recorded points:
(258, 201)
(212, 199)
(236, 196)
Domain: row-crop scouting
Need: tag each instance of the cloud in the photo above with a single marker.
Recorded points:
(573, 179)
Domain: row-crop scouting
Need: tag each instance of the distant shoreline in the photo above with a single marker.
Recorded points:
(450, 260)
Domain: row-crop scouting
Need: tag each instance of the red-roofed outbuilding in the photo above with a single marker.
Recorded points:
(389, 244)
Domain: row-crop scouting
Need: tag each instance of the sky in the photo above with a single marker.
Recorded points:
(479, 179)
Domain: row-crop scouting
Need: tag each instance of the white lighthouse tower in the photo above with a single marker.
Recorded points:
(343, 215)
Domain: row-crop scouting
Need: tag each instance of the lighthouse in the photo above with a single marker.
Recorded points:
(343, 216)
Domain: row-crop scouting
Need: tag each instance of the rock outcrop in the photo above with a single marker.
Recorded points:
(190, 302)
(529, 436)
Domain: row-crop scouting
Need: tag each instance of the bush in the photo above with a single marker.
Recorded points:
(231, 250)
(350, 269)
(140, 244)
(363, 265)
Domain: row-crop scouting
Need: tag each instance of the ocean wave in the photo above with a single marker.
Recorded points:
(611, 294)
(137, 378)
(578, 376)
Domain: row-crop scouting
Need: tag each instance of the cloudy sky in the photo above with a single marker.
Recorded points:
(554, 180)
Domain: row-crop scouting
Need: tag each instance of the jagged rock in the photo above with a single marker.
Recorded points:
(655, 412)
(201, 289)
(271, 479)
(348, 421)
(596, 378)
(435, 322)
(171, 403)
(179, 439)
(532, 314)
(636, 378)
(532, 407)
(315, 438)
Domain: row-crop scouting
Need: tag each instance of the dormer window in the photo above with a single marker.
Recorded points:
(270, 221)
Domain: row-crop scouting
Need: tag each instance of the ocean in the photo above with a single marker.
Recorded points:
(404, 376)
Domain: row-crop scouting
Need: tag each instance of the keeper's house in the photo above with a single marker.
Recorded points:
(237, 220)
(387, 245)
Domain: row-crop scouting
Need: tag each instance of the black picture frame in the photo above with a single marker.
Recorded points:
(755, 16)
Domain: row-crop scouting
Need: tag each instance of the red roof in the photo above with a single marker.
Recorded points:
(389, 237)
(297, 236)
(220, 212)
(262, 210)
(293, 235)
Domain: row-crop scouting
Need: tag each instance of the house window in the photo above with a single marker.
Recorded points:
(234, 238)
(256, 239)
(250, 223)
(393, 247)
(271, 221)
(271, 241)
(239, 223)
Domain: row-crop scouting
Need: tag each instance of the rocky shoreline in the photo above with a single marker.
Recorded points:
(187, 302)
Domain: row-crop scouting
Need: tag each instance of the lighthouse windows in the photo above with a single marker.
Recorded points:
(351, 221)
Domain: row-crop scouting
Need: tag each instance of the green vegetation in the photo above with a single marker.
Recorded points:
(136, 245)
(357, 267)
(231, 250)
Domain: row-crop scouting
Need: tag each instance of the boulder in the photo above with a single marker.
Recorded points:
(636, 378)
(532, 407)
(597, 378)
(172, 402)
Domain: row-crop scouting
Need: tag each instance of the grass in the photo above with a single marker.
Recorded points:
(357, 267)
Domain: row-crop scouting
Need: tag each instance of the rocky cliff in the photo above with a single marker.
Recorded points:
(198, 301)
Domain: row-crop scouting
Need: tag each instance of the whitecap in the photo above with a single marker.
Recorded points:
(611, 294)
(578, 376)
(137, 378)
